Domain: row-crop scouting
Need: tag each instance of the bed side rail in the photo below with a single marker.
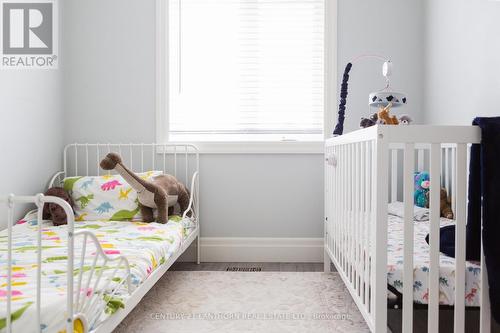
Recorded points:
(81, 303)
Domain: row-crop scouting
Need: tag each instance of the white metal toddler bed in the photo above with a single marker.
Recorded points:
(114, 264)
(367, 169)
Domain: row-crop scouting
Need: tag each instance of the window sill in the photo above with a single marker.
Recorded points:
(292, 147)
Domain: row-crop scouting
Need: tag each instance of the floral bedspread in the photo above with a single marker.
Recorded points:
(145, 245)
(421, 266)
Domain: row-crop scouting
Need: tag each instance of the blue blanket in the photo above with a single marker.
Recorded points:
(484, 197)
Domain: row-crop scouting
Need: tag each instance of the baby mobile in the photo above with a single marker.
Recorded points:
(384, 100)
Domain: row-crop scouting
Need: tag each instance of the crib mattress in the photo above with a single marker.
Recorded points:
(421, 266)
(146, 246)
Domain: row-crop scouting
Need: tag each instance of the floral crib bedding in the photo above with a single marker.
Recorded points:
(145, 245)
(421, 266)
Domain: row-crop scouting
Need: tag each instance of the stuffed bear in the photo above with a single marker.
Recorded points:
(422, 185)
(54, 212)
(444, 204)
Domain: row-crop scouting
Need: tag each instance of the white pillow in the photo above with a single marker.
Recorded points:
(107, 197)
(419, 214)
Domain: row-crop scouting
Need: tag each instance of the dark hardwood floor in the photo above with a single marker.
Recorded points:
(248, 266)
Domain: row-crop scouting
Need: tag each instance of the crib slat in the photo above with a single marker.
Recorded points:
(338, 204)
(344, 207)
(394, 175)
(420, 160)
(379, 235)
(434, 205)
(454, 181)
(447, 169)
(366, 245)
(352, 225)
(354, 215)
(459, 320)
(348, 223)
(362, 221)
(409, 165)
(485, 310)
(186, 162)
(357, 218)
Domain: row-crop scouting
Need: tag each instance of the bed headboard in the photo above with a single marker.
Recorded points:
(180, 160)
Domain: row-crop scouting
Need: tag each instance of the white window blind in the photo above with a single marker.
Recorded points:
(246, 70)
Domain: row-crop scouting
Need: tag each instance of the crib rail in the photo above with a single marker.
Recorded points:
(82, 304)
(367, 169)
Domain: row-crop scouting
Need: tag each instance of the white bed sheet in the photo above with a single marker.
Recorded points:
(146, 246)
(421, 266)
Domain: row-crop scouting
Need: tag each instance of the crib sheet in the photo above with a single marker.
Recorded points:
(421, 266)
(146, 246)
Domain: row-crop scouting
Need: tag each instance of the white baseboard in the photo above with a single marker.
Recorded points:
(242, 249)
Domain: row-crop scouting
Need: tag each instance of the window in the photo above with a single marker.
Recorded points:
(245, 70)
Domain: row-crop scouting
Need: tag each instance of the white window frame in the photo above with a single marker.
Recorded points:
(274, 147)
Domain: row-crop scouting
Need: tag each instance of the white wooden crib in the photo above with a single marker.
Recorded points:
(181, 160)
(367, 169)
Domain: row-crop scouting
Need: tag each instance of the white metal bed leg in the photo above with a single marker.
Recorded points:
(198, 252)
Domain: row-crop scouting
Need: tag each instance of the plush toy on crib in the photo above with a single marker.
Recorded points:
(422, 192)
(162, 192)
(422, 185)
(444, 204)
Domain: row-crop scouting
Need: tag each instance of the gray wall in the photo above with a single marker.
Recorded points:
(462, 60)
(109, 87)
(391, 28)
(31, 126)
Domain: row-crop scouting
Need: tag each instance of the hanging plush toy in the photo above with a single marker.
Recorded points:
(162, 193)
(405, 119)
(367, 122)
(384, 114)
